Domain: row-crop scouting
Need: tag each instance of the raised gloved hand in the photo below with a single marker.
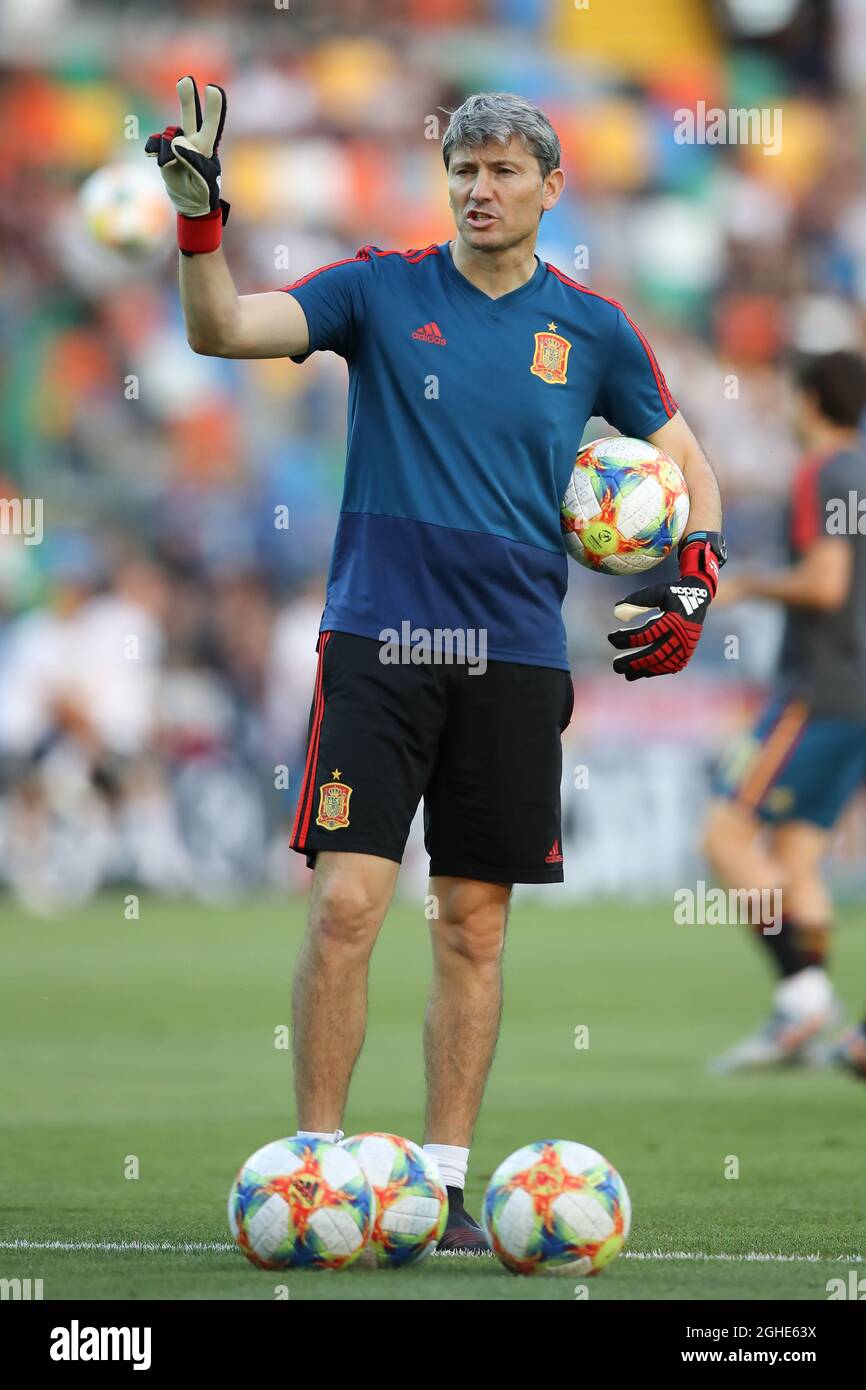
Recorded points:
(187, 159)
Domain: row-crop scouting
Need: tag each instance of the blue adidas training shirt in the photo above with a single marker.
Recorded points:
(465, 416)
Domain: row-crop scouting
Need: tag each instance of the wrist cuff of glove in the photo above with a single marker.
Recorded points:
(198, 235)
(698, 561)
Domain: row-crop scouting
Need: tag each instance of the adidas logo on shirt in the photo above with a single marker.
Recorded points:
(692, 598)
(430, 333)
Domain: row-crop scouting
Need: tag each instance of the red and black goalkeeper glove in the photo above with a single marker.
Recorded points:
(665, 644)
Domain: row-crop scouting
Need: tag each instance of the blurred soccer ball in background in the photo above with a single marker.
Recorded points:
(556, 1207)
(625, 507)
(124, 207)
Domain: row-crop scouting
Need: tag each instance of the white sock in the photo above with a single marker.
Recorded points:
(809, 991)
(334, 1137)
(452, 1162)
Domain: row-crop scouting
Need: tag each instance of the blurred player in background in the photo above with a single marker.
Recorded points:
(785, 784)
(450, 521)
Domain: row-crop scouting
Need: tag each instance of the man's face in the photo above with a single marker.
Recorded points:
(497, 194)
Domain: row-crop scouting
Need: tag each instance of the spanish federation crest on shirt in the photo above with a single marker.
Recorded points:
(551, 356)
(334, 803)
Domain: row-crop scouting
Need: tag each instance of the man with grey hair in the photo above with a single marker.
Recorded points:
(473, 369)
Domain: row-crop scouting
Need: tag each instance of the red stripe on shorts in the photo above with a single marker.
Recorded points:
(305, 800)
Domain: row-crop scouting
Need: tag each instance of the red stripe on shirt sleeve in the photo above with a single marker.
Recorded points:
(667, 400)
(806, 511)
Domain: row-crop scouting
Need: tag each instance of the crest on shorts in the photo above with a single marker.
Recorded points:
(333, 803)
(551, 356)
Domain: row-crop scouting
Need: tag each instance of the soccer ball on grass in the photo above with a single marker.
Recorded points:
(556, 1207)
(411, 1202)
(301, 1203)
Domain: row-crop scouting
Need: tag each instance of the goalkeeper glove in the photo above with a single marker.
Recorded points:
(187, 159)
(666, 643)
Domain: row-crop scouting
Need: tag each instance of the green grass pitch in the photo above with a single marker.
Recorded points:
(155, 1039)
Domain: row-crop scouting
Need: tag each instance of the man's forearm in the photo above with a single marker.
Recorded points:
(705, 502)
(219, 322)
(210, 303)
(795, 587)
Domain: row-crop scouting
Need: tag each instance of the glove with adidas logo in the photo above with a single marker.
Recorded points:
(187, 159)
(666, 643)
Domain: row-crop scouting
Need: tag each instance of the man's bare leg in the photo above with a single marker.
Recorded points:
(461, 1027)
(735, 846)
(351, 894)
(799, 848)
(787, 860)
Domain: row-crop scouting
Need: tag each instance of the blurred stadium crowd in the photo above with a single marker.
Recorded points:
(157, 647)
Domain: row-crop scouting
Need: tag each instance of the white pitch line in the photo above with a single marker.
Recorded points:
(752, 1255)
(183, 1247)
(186, 1247)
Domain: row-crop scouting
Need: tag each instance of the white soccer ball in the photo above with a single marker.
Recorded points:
(557, 1207)
(411, 1201)
(125, 207)
(625, 507)
(301, 1203)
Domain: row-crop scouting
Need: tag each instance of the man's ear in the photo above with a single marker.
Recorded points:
(552, 189)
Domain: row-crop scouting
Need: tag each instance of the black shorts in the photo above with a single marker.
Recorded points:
(483, 751)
